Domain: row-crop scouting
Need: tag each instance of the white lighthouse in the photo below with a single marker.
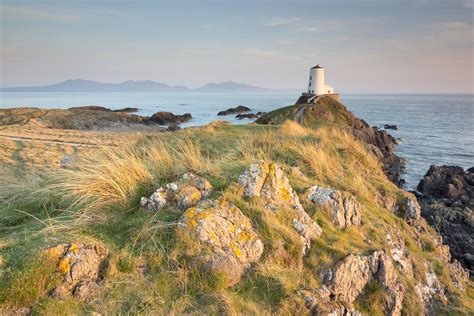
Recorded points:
(316, 83)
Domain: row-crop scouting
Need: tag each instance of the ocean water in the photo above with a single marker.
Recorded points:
(433, 129)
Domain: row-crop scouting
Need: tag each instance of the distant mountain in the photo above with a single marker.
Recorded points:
(230, 86)
(81, 85)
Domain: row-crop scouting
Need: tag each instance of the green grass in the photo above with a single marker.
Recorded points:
(150, 270)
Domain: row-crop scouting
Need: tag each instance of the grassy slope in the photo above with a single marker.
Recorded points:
(98, 202)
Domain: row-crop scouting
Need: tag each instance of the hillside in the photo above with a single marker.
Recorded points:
(82, 85)
(270, 218)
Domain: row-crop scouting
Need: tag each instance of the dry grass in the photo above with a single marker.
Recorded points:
(113, 177)
(103, 177)
(293, 128)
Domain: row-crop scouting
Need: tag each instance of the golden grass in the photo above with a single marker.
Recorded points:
(107, 176)
(293, 128)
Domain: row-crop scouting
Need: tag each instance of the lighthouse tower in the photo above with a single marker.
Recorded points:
(316, 83)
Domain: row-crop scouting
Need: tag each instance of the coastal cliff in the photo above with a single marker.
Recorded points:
(301, 213)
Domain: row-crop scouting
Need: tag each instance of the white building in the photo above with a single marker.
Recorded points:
(316, 83)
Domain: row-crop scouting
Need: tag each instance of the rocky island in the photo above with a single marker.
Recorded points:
(299, 213)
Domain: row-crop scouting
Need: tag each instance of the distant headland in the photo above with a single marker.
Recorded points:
(82, 85)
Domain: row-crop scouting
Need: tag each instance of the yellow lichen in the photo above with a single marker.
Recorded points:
(243, 237)
(74, 248)
(236, 250)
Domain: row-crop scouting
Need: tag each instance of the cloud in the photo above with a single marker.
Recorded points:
(31, 13)
(280, 21)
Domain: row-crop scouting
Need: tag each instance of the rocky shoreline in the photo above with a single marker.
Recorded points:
(446, 194)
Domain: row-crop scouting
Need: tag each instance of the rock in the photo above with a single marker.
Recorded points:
(156, 201)
(447, 205)
(246, 116)
(127, 110)
(390, 126)
(409, 209)
(430, 289)
(67, 161)
(168, 118)
(173, 128)
(231, 240)
(399, 252)
(268, 181)
(186, 192)
(439, 179)
(458, 274)
(188, 196)
(81, 266)
(345, 210)
(237, 110)
(348, 279)
(296, 172)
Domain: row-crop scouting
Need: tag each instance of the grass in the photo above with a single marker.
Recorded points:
(150, 272)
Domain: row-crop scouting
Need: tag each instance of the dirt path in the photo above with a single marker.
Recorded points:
(299, 116)
(29, 139)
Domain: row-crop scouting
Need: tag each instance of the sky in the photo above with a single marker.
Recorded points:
(365, 46)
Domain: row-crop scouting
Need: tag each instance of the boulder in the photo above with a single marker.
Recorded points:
(348, 279)
(231, 242)
(268, 181)
(81, 267)
(237, 110)
(345, 210)
(184, 193)
(168, 118)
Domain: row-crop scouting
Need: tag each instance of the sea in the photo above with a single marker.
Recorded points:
(432, 128)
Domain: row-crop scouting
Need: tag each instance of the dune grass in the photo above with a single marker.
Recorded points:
(96, 200)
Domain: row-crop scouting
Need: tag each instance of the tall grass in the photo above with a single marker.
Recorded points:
(104, 177)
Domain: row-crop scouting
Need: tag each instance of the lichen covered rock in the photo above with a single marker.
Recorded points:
(227, 233)
(268, 181)
(81, 266)
(345, 209)
(348, 279)
(184, 193)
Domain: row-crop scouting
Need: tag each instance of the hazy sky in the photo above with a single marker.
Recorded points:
(365, 46)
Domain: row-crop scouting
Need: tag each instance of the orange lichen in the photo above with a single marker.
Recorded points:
(64, 265)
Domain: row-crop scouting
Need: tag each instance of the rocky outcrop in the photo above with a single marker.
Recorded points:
(182, 194)
(344, 208)
(237, 110)
(168, 118)
(330, 110)
(81, 267)
(246, 116)
(232, 244)
(344, 283)
(430, 290)
(268, 181)
(447, 199)
(80, 118)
